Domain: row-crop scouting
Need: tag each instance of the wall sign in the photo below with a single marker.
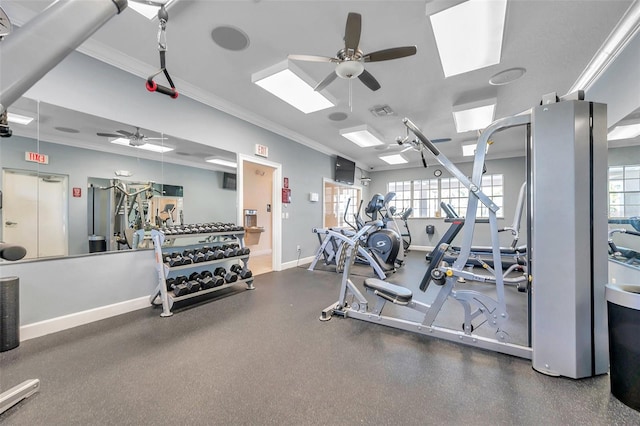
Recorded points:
(36, 157)
(286, 182)
(262, 150)
(77, 192)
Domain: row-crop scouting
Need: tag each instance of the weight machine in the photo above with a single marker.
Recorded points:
(567, 333)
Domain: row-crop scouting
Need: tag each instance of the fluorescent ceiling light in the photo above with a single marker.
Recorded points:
(474, 116)
(393, 159)
(18, 119)
(470, 150)
(147, 10)
(290, 84)
(222, 162)
(469, 35)
(624, 132)
(363, 136)
(146, 146)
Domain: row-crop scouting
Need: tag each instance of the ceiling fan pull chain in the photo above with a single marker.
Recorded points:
(151, 85)
(350, 95)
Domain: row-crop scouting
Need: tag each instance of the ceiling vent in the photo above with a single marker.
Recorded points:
(382, 111)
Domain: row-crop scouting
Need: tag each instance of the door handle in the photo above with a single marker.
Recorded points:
(9, 223)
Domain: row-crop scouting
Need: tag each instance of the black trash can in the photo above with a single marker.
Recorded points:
(623, 308)
(9, 313)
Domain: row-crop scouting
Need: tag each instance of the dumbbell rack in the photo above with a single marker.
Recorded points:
(166, 298)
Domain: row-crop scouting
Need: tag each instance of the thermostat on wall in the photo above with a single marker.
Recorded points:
(313, 196)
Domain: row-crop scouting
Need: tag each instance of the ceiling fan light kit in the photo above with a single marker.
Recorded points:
(350, 59)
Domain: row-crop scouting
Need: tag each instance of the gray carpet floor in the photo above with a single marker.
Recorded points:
(262, 357)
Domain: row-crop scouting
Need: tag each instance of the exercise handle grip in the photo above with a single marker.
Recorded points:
(420, 136)
(152, 86)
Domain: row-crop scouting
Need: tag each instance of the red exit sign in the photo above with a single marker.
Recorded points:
(36, 157)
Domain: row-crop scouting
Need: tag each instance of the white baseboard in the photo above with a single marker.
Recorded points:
(42, 328)
(296, 263)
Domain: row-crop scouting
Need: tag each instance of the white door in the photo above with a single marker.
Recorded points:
(34, 213)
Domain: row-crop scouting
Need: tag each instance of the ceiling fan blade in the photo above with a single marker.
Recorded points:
(441, 140)
(352, 31)
(327, 80)
(313, 58)
(109, 135)
(369, 80)
(387, 54)
(127, 134)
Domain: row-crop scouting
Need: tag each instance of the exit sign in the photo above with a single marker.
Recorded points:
(262, 150)
(36, 157)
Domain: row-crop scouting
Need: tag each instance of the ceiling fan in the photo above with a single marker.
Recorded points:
(350, 59)
(135, 139)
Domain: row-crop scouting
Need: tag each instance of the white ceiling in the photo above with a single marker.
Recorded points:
(553, 40)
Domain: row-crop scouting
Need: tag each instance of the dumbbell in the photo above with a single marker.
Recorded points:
(194, 255)
(193, 284)
(179, 286)
(231, 250)
(173, 259)
(208, 280)
(242, 273)
(244, 251)
(229, 277)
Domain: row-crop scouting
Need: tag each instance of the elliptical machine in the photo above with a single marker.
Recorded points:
(385, 244)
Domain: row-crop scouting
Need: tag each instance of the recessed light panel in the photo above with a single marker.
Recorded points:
(393, 159)
(473, 116)
(363, 136)
(222, 162)
(624, 132)
(289, 83)
(18, 119)
(469, 35)
(147, 146)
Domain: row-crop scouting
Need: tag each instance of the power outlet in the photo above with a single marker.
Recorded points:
(298, 247)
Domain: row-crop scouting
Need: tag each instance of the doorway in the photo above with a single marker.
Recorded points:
(35, 212)
(260, 211)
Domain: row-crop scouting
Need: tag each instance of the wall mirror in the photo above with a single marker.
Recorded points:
(624, 190)
(74, 184)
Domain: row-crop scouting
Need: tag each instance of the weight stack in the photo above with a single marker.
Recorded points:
(9, 313)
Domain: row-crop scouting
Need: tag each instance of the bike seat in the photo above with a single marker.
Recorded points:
(391, 292)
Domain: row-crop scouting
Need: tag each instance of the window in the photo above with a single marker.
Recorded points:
(425, 195)
(624, 191)
(336, 198)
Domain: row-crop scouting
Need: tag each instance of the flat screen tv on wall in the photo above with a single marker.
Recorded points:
(229, 181)
(345, 171)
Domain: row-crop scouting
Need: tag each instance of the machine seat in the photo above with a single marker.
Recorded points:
(394, 293)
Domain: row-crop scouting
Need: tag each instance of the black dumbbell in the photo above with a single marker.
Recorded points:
(173, 259)
(217, 281)
(242, 272)
(193, 286)
(195, 256)
(244, 251)
(179, 286)
(231, 251)
(208, 280)
(229, 277)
